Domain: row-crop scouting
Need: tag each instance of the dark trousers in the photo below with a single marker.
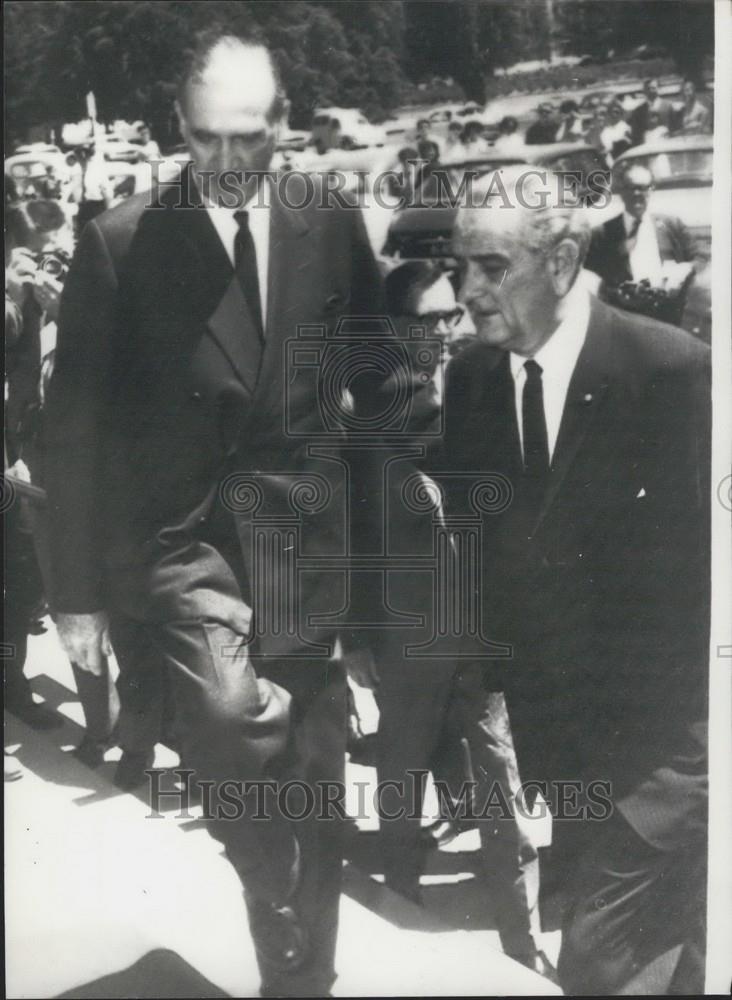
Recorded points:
(23, 591)
(412, 698)
(510, 861)
(439, 718)
(279, 721)
(629, 904)
(89, 210)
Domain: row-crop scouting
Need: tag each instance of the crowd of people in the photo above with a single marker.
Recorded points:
(147, 373)
(607, 125)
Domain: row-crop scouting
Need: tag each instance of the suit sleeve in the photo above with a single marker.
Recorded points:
(367, 490)
(74, 414)
(594, 260)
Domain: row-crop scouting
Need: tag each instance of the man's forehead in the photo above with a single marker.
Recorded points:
(480, 232)
(236, 78)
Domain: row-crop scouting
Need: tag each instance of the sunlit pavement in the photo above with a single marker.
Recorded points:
(102, 900)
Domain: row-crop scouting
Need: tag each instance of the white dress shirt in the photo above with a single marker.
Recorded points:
(643, 253)
(226, 226)
(558, 359)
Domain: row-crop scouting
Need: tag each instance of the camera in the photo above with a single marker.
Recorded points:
(53, 262)
(363, 374)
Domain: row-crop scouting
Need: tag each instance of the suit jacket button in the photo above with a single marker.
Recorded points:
(196, 397)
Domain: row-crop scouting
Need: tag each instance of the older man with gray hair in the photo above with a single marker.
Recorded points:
(596, 575)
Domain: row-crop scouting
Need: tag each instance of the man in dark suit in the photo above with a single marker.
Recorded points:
(652, 103)
(183, 488)
(634, 245)
(596, 574)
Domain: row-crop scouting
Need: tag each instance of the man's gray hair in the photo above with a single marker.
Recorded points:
(550, 212)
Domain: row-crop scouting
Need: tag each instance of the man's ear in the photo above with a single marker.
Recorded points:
(564, 264)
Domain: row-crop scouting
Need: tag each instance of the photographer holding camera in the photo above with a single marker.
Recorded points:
(34, 270)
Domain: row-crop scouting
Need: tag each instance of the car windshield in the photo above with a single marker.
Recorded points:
(583, 161)
(678, 168)
(27, 169)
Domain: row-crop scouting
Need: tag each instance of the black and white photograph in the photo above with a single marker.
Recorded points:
(366, 498)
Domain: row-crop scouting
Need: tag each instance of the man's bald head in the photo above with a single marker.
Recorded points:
(634, 186)
(222, 58)
(230, 106)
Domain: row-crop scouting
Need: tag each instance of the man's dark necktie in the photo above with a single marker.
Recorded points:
(245, 266)
(536, 443)
(633, 231)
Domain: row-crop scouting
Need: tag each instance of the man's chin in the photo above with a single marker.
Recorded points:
(491, 330)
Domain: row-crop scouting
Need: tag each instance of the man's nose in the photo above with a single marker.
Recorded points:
(228, 156)
(470, 285)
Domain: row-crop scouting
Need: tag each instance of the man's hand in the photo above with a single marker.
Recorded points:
(85, 639)
(19, 273)
(47, 291)
(361, 668)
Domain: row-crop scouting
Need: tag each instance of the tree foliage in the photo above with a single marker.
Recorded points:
(356, 53)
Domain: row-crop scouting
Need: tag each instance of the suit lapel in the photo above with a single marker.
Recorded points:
(228, 320)
(665, 239)
(587, 389)
(196, 240)
(287, 264)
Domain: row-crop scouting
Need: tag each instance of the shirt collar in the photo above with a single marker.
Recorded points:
(629, 220)
(261, 200)
(560, 352)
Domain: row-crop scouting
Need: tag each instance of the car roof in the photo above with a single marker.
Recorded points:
(38, 147)
(671, 145)
(34, 156)
(531, 154)
(337, 111)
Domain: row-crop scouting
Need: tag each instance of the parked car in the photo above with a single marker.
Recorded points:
(424, 229)
(37, 147)
(116, 148)
(353, 128)
(28, 168)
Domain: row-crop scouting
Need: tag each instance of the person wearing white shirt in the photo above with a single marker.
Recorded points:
(570, 128)
(640, 245)
(557, 358)
(509, 141)
(615, 138)
(96, 189)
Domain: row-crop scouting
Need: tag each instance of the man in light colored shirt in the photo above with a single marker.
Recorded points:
(640, 245)
(570, 128)
(557, 358)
